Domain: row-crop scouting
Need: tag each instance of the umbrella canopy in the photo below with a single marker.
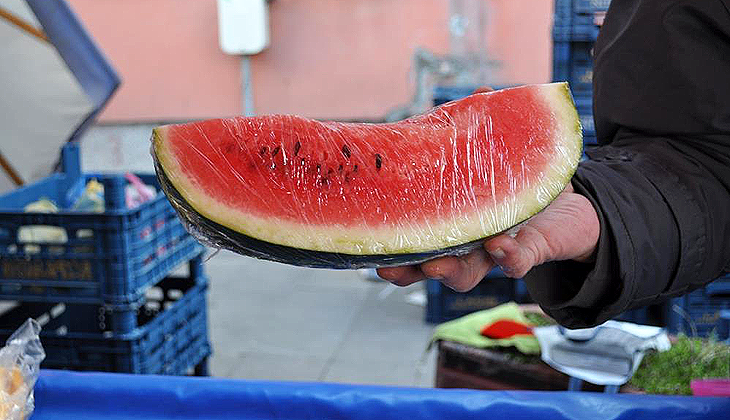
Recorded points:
(53, 82)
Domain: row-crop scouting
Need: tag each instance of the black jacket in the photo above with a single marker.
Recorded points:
(660, 181)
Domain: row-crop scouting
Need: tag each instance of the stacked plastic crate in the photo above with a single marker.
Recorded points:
(575, 29)
(702, 312)
(101, 283)
(444, 304)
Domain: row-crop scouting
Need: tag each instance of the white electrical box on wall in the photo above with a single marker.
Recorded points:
(243, 26)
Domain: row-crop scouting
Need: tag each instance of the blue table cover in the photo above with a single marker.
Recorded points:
(62, 395)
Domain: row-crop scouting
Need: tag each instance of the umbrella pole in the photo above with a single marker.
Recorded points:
(20, 23)
(10, 171)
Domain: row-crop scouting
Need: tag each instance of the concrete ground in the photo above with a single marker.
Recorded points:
(276, 322)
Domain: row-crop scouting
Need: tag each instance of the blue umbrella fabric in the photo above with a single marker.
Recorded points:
(53, 82)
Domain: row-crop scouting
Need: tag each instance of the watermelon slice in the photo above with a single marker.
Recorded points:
(347, 195)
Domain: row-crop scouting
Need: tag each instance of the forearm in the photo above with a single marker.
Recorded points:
(658, 235)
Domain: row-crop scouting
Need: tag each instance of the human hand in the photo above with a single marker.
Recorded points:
(567, 229)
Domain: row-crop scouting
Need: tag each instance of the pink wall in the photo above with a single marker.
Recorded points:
(344, 59)
(520, 36)
(328, 58)
(167, 54)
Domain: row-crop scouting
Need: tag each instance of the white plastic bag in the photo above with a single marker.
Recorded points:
(20, 361)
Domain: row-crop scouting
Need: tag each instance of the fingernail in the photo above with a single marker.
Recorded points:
(512, 233)
(497, 253)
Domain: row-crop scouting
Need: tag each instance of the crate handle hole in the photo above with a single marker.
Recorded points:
(57, 310)
(43, 319)
(56, 250)
(42, 234)
(85, 234)
(152, 306)
(155, 293)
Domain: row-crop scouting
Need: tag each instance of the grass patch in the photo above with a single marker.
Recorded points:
(670, 372)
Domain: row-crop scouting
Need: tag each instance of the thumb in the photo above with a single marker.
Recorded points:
(516, 256)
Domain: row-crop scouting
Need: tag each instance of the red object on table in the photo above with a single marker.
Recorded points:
(505, 328)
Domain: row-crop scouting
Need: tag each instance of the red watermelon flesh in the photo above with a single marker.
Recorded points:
(466, 170)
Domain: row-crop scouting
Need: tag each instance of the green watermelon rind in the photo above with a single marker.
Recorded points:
(228, 236)
(221, 237)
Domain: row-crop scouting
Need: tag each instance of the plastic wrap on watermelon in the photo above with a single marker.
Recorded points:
(350, 195)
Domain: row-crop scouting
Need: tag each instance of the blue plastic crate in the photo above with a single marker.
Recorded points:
(574, 32)
(584, 105)
(723, 328)
(171, 337)
(444, 304)
(590, 6)
(561, 61)
(108, 257)
(443, 94)
(580, 11)
(719, 287)
(701, 309)
(573, 62)
(569, 7)
(521, 293)
(588, 20)
(563, 9)
(648, 315)
(637, 316)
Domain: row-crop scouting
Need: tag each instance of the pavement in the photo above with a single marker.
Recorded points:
(275, 322)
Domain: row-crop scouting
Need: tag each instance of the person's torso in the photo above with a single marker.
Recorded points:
(662, 67)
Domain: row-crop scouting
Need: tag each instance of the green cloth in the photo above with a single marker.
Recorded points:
(467, 329)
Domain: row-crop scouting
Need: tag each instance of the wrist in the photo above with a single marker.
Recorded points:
(591, 232)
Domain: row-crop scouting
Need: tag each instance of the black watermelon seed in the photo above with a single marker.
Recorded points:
(263, 150)
(354, 169)
(275, 151)
(378, 161)
(340, 168)
(297, 146)
(346, 151)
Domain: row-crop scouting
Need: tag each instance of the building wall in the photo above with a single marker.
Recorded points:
(344, 59)
(347, 59)
(167, 54)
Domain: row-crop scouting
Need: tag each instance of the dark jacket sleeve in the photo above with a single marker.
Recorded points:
(660, 182)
